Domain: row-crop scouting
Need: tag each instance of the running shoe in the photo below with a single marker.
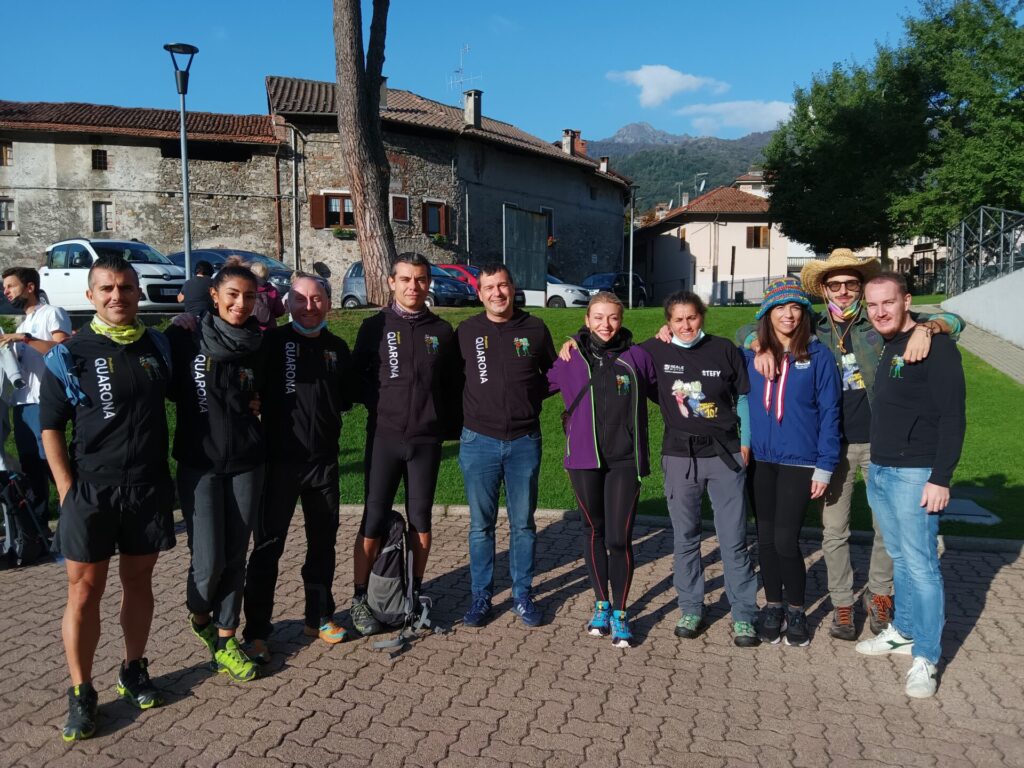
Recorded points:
(329, 631)
(843, 627)
(83, 712)
(207, 633)
(257, 651)
(889, 640)
(622, 637)
(600, 625)
(363, 619)
(744, 635)
(527, 610)
(232, 661)
(879, 610)
(133, 684)
(797, 634)
(689, 626)
(773, 623)
(479, 610)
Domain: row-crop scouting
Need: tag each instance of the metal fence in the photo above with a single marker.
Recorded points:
(987, 244)
(748, 290)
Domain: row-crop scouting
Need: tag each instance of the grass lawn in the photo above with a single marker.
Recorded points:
(994, 427)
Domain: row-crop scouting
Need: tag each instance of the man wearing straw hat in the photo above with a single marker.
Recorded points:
(844, 327)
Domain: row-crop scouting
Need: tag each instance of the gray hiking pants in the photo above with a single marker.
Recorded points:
(835, 540)
(685, 484)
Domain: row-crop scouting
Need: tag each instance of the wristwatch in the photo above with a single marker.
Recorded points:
(28, 337)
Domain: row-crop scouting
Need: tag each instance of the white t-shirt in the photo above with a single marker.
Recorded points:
(42, 322)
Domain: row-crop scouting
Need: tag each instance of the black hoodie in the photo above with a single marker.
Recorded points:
(409, 376)
(505, 365)
(120, 436)
(216, 429)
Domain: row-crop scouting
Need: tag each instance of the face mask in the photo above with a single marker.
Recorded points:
(309, 331)
(19, 303)
(688, 344)
(847, 314)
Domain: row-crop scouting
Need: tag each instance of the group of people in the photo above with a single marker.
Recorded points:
(259, 420)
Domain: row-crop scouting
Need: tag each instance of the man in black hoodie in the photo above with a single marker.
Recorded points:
(115, 488)
(506, 354)
(406, 361)
(307, 376)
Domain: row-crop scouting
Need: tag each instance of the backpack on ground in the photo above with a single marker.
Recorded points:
(389, 591)
(28, 542)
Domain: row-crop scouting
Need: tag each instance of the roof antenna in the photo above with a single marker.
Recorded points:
(459, 78)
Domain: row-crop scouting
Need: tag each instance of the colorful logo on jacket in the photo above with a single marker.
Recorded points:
(852, 377)
(330, 360)
(151, 366)
(246, 379)
(690, 398)
(522, 346)
(622, 385)
(896, 367)
(432, 344)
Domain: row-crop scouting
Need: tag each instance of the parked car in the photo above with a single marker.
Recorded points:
(64, 276)
(280, 273)
(618, 283)
(561, 294)
(445, 291)
(463, 273)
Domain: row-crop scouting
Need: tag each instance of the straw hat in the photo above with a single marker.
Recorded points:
(813, 273)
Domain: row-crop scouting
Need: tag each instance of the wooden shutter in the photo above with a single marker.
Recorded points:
(317, 212)
(750, 237)
(764, 237)
(443, 213)
(424, 216)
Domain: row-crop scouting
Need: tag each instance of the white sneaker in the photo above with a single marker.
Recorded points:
(889, 640)
(922, 679)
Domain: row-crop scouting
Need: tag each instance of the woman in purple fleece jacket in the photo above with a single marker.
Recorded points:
(605, 385)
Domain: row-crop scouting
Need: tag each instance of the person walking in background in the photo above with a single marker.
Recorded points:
(605, 386)
(918, 422)
(195, 292)
(219, 447)
(505, 354)
(794, 437)
(269, 305)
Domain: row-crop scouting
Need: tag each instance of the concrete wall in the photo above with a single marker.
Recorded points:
(993, 307)
(54, 186)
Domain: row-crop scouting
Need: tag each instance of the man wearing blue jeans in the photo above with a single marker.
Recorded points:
(918, 421)
(506, 353)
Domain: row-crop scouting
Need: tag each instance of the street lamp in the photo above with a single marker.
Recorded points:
(181, 80)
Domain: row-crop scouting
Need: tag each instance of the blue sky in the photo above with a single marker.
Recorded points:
(705, 68)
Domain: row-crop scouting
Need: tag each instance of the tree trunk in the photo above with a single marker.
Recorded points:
(362, 144)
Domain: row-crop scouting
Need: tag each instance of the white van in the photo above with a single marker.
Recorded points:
(64, 277)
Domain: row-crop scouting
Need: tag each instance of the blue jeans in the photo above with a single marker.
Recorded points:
(911, 538)
(485, 462)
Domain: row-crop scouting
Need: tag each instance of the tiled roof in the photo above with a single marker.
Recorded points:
(728, 200)
(292, 96)
(753, 176)
(133, 121)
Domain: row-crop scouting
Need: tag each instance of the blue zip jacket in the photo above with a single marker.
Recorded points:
(581, 435)
(808, 434)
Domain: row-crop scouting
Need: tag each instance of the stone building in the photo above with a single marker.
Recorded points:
(464, 187)
(84, 170)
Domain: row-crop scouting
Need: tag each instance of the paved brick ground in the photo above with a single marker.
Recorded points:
(506, 695)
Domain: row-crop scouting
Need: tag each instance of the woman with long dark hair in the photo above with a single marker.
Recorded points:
(794, 426)
(218, 444)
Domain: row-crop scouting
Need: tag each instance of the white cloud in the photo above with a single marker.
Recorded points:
(746, 115)
(658, 83)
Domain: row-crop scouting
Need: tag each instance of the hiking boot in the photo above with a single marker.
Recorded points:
(744, 635)
(479, 610)
(83, 712)
(889, 640)
(796, 629)
(689, 626)
(922, 679)
(231, 660)
(363, 619)
(843, 627)
(527, 610)
(600, 625)
(879, 610)
(622, 637)
(258, 652)
(133, 684)
(773, 624)
(207, 633)
(329, 631)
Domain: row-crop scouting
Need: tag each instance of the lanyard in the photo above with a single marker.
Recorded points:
(780, 406)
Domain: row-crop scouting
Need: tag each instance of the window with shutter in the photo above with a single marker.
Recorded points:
(757, 237)
(399, 208)
(435, 218)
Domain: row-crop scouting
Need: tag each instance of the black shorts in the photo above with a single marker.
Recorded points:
(98, 520)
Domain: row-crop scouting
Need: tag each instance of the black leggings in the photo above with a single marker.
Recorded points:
(389, 461)
(781, 494)
(607, 498)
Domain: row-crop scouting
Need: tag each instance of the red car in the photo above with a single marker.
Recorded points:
(463, 273)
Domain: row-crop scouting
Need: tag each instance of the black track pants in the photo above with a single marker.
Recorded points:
(781, 494)
(390, 460)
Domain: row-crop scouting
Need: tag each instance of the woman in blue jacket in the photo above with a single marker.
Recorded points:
(605, 385)
(794, 432)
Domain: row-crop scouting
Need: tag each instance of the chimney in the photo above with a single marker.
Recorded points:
(569, 137)
(471, 109)
(604, 164)
(684, 199)
(383, 93)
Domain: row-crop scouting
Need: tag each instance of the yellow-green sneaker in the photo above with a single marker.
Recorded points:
(83, 711)
(233, 661)
(207, 633)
